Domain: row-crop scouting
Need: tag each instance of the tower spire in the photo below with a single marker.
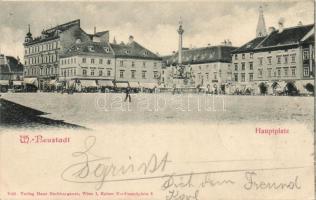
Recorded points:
(261, 27)
(28, 37)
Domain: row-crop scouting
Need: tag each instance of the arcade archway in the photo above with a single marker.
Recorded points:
(263, 88)
(310, 88)
(291, 89)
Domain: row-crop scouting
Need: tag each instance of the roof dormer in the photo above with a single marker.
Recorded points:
(91, 48)
(107, 49)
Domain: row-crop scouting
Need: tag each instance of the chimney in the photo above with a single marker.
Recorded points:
(281, 24)
(95, 30)
(271, 29)
(130, 39)
(300, 23)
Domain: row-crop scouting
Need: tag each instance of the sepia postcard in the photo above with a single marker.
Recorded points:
(157, 100)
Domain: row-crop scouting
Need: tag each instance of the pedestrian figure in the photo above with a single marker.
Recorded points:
(174, 89)
(128, 95)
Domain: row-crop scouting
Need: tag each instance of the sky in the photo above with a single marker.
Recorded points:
(152, 23)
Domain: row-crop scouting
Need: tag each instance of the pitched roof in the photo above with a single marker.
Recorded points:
(89, 48)
(52, 33)
(98, 34)
(249, 46)
(276, 39)
(288, 36)
(133, 50)
(202, 55)
(309, 40)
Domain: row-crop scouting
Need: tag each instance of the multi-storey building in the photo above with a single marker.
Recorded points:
(42, 53)
(210, 66)
(135, 63)
(86, 64)
(280, 61)
(101, 63)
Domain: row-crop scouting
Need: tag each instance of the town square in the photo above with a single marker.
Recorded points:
(74, 71)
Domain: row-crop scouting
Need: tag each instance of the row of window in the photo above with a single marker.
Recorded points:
(207, 76)
(243, 56)
(99, 61)
(207, 66)
(41, 71)
(279, 59)
(276, 73)
(243, 77)
(68, 61)
(143, 74)
(42, 47)
(93, 72)
(307, 56)
(94, 61)
(122, 63)
(41, 59)
(269, 58)
(243, 66)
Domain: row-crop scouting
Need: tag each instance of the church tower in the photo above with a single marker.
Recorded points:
(28, 37)
(261, 27)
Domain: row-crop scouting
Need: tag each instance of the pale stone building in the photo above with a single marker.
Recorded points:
(278, 62)
(210, 67)
(42, 53)
(136, 64)
(87, 65)
(97, 64)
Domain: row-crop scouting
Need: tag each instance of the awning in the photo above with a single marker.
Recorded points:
(52, 82)
(17, 82)
(31, 81)
(121, 85)
(72, 83)
(88, 83)
(282, 85)
(105, 83)
(134, 84)
(149, 85)
(4, 82)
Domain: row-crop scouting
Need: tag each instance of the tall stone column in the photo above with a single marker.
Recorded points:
(180, 32)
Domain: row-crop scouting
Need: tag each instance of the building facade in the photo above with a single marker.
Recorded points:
(279, 62)
(135, 63)
(210, 67)
(101, 63)
(42, 53)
